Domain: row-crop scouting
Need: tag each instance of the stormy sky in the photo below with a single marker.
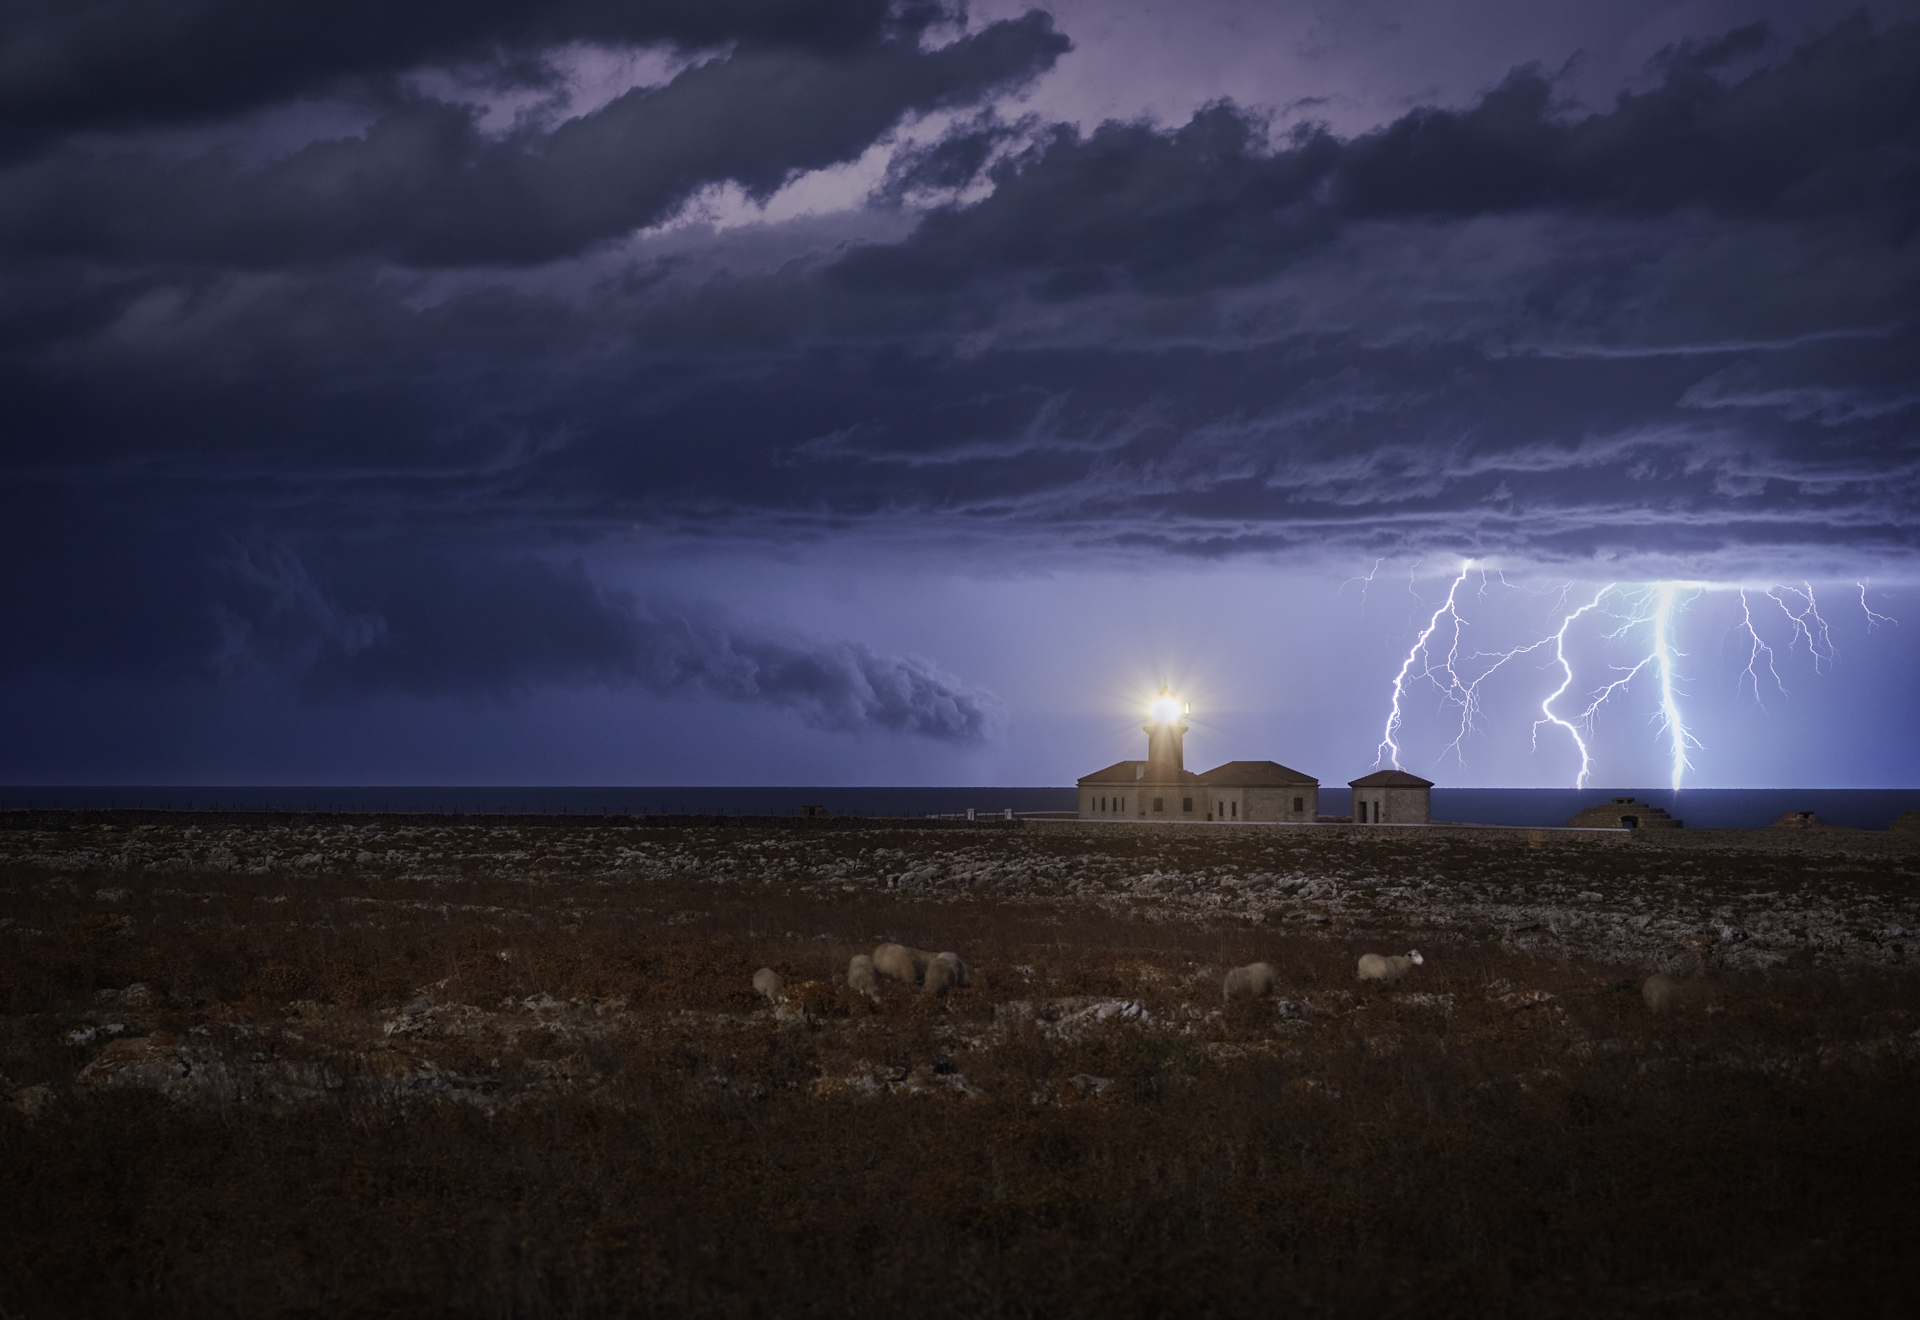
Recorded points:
(787, 392)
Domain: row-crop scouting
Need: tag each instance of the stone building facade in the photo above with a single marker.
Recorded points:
(1392, 797)
(1162, 788)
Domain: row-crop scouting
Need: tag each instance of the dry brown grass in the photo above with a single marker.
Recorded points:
(1501, 1153)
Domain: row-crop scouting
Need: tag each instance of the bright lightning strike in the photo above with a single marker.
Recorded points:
(1807, 622)
(1559, 640)
(1663, 650)
(1388, 747)
(1757, 649)
(1653, 609)
(1873, 620)
(1644, 616)
(1444, 672)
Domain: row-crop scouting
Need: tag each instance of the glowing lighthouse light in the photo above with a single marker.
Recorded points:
(1166, 729)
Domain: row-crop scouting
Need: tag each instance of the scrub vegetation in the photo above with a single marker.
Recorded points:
(352, 1068)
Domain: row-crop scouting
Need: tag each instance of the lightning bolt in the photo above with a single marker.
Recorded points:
(1758, 649)
(1652, 608)
(1454, 689)
(1873, 620)
(1663, 650)
(1365, 581)
(1559, 640)
(1646, 615)
(1388, 747)
(1807, 622)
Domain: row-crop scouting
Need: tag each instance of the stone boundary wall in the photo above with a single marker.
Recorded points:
(1820, 839)
(64, 818)
(1817, 839)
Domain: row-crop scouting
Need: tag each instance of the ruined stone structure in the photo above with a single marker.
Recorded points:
(1623, 813)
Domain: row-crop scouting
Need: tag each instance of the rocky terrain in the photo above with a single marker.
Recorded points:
(343, 971)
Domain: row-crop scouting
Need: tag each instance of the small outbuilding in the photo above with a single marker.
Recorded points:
(1392, 797)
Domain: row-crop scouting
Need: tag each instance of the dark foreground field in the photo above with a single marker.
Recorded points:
(340, 1069)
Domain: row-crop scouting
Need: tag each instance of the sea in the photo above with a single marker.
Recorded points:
(1710, 808)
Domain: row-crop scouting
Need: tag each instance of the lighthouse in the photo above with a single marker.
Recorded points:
(1162, 788)
(1166, 729)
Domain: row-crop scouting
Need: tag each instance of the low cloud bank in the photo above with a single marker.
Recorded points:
(341, 626)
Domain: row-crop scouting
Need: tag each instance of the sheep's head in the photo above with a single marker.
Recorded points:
(1415, 958)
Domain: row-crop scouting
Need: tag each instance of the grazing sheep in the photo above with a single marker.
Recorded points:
(1662, 994)
(901, 962)
(946, 972)
(1373, 967)
(861, 977)
(1254, 981)
(768, 982)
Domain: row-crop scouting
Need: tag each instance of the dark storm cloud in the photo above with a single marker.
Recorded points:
(115, 64)
(347, 623)
(424, 186)
(1831, 132)
(1680, 331)
(433, 625)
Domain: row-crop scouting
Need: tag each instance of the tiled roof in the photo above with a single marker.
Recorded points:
(1390, 779)
(1139, 772)
(1254, 774)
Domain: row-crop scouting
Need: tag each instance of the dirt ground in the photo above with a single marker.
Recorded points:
(336, 1065)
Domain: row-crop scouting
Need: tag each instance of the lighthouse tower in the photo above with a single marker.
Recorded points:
(1166, 729)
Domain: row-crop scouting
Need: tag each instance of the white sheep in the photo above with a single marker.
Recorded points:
(945, 972)
(770, 983)
(901, 962)
(1254, 981)
(861, 977)
(1373, 967)
(1661, 993)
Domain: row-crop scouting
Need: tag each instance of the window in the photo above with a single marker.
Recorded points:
(1236, 811)
(1156, 805)
(1186, 804)
(1299, 804)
